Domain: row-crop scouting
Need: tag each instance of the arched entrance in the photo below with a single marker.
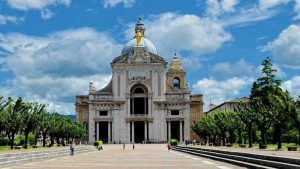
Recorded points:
(139, 99)
(138, 107)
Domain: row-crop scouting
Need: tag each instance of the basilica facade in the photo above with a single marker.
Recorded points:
(146, 99)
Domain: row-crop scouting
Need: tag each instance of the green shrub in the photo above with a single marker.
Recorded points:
(20, 140)
(98, 143)
(31, 139)
(16, 142)
(4, 141)
(173, 142)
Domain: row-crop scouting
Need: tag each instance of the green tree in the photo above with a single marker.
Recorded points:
(67, 129)
(259, 98)
(270, 102)
(56, 127)
(262, 119)
(31, 119)
(234, 123)
(206, 127)
(296, 118)
(45, 124)
(3, 104)
(281, 110)
(221, 120)
(13, 118)
(77, 131)
(247, 115)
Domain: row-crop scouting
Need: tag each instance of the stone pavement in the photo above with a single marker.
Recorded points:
(147, 156)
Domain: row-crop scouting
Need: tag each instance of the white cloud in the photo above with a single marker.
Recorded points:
(72, 52)
(286, 48)
(4, 19)
(46, 14)
(113, 3)
(248, 15)
(235, 69)
(216, 8)
(58, 92)
(56, 68)
(267, 4)
(293, 86)
(228, 5)
(297, 9)
(171, 31)
(219, 91)
(229, 12)
(190, 63)
(35, 4)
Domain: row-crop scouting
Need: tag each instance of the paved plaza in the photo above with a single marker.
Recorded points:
(147, 156)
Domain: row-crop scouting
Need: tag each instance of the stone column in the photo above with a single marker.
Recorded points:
(180, 130)
(109, 136)
(128, 132)
(150, 135)
(132, 131)
(144, 106)
(133, 111)
(169, 130)
(145, 130)
(97, 131)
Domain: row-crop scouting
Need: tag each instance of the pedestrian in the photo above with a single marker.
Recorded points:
(169, 146)
(123, 146)
(72, 148)
(194, 142)
(133, 146)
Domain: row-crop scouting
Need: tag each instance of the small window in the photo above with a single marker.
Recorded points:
(103, 113)
(176, 82)
(175, 112)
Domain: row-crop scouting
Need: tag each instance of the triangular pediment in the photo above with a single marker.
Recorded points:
(139, 55)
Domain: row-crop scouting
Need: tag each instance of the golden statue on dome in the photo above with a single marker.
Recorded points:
(139, 31)
(138, 37)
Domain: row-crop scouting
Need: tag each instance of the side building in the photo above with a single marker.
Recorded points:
(143, 101)
(226, 106)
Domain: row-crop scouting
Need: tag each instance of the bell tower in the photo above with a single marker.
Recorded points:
(176, 80)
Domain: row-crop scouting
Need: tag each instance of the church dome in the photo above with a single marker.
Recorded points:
(145, 42)
(175, 65)
(140, 40)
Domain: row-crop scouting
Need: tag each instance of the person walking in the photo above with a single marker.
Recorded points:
(169, 146)
(133, 146)
(72, 148)
(123, 146)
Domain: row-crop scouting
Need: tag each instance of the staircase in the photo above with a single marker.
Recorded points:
(243, 159)
(23, 157)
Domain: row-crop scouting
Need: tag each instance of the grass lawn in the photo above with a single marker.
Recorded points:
(40, 148)
(274, 146)
(4, 148)
(269, 146)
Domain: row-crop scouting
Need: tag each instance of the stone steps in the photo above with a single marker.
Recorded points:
(16, 158)
(243, 159)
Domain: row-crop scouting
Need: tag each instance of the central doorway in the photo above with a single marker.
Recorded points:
(175, 130)
(103, 131)
(139, 131)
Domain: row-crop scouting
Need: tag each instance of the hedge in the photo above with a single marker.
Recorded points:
(173, 142)
(98, 143)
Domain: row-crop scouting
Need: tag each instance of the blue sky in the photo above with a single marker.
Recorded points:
(51, 49)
